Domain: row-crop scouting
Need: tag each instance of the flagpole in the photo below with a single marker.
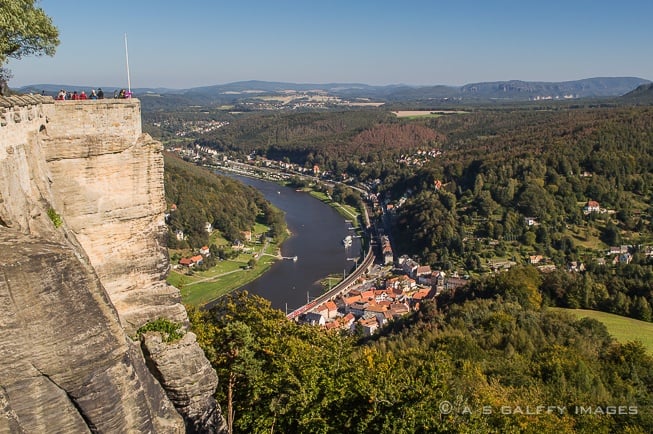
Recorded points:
(129, 83)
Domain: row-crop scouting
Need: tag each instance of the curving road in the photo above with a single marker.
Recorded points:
(338, 289)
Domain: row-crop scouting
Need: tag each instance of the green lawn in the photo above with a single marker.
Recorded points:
(205, 286)
(623, 329)
(320, 196)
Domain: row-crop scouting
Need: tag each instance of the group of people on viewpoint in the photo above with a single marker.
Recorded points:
(65, 96)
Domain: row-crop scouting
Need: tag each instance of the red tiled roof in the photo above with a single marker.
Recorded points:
(419, 295)
(368, 322)
(354, 299)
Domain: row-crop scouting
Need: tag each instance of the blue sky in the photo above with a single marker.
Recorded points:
(180, 44)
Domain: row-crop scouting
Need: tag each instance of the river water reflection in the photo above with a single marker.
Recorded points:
(317, 234)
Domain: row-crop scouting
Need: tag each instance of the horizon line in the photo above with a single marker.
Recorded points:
(331, 83)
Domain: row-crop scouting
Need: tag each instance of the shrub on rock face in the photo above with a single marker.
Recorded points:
(55, 218)
(171, 331)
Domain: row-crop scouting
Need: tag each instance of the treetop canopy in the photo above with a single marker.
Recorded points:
(25, 30)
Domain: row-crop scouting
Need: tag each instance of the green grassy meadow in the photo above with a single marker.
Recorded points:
(623, 329)
(204, 286)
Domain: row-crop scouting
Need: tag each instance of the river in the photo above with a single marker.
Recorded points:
(317, 232)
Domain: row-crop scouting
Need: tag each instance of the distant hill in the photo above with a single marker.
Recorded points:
(642, 94)
(513, 90)
(590, 87)
(508, 90)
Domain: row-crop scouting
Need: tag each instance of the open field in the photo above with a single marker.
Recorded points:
(201, 287)
(363, 104)
(623, 329)
(425, 113)
(204, 286)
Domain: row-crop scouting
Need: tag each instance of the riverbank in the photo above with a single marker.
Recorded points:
(331, 280)
(318, 231)
(199, 288)
(349, 212)
(255, 258)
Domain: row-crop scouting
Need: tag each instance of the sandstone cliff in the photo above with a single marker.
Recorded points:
(72, 297)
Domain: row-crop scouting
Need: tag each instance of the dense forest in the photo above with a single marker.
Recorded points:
(499, 169)
(480, 364)
(200, 197)
(323, 138)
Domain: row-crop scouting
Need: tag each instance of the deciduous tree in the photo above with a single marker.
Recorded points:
(25, 30)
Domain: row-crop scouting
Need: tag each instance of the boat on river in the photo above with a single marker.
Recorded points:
(347, 241)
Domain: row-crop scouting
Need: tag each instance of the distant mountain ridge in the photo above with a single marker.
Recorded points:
(511, 90)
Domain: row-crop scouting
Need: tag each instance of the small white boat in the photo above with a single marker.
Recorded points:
(347, 241)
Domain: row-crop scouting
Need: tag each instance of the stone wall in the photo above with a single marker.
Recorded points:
(107, 120)
(72, 297)
(23, 174)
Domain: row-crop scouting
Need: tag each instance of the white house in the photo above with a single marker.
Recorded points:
(591, 206)
(314, 318)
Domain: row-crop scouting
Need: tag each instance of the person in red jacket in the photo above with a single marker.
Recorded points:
(83, 95)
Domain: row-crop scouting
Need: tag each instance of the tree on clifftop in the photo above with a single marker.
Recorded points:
(25, 30)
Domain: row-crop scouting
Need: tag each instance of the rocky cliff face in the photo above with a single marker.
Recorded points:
(71, 297)
(107, 182)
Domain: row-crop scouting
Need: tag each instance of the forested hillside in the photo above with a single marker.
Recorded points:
(200, 197)
(306, 138)
(516, 188)
(492, 365)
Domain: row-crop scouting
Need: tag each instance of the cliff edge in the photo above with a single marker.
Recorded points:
(82, 267)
